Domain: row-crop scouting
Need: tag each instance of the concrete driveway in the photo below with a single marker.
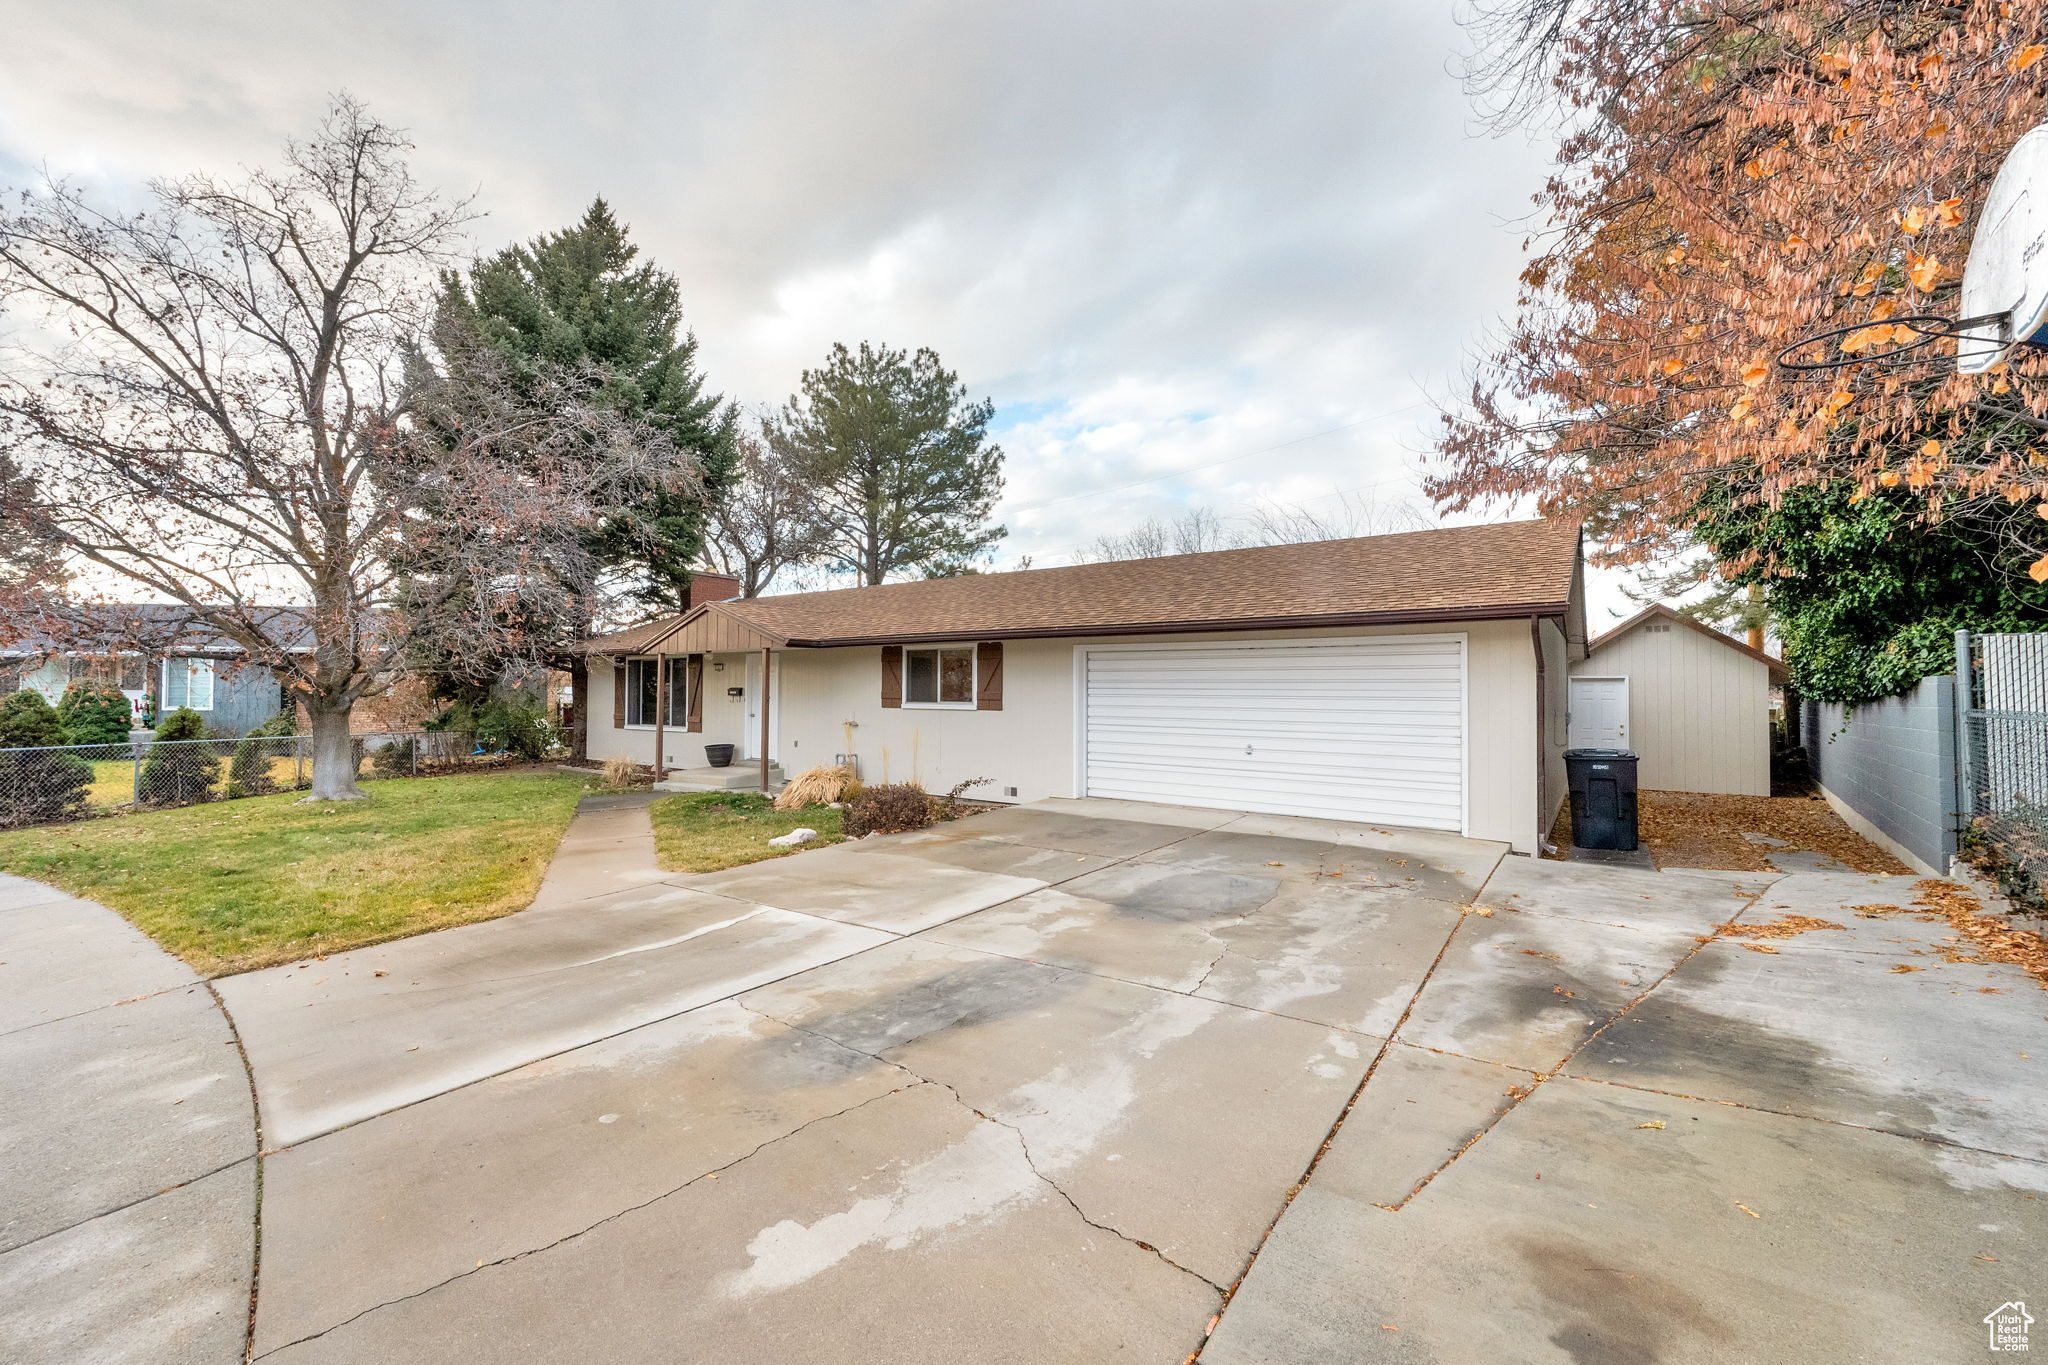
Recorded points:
(1065, 1082)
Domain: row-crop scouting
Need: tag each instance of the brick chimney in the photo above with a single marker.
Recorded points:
(712, 587)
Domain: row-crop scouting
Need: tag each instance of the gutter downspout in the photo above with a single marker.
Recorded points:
(1543, 844)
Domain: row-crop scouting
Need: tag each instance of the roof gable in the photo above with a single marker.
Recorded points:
(1657, 611)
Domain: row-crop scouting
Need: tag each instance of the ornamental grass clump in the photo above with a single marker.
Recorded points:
(815, 787)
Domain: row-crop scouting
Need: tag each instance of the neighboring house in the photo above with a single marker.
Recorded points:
(1694, 703)
(1414, 679)
(147, 651)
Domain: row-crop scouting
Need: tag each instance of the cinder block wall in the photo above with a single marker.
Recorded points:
(1892, 763)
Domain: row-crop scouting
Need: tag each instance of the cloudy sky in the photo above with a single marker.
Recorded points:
(1198, 254)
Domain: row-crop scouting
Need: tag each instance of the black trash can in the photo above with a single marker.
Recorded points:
(1603, 783)
(720, 756)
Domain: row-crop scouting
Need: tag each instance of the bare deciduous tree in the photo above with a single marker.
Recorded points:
(1202, 529)
(766, 522)
(210, 399)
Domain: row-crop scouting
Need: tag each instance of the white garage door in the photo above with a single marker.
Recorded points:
(1356, 729)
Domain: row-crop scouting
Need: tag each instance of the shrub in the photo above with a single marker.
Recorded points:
(93, 713)
(621, 772)
(397, 758)
(520, 728)
(889, 809)
(37, 783)
(179, 773)
(249, 769)
(949, 804)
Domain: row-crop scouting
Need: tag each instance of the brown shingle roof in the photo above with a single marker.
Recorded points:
(1464, 572)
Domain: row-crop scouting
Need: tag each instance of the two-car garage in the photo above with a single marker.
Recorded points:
(1359, 728)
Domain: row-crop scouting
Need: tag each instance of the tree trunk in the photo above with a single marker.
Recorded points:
(334, 752)
(579, 715)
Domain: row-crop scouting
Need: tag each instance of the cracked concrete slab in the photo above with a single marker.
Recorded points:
(1133, 1100)
(108, 1107)
(1846, 1037)
(1337, 952)
(1529, 990)
(1419, 1110)
(332, 1042)
(1047, 865)
(161, 1282)
(894, 892)
(608, 847)
(906, 1229)
(1152, 923)
(1122, 835)
(1446, 866)
(1639, 1244)
(395, 1206)
(61, 956)
(1691, 901)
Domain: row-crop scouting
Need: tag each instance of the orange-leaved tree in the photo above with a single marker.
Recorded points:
(1735, 176)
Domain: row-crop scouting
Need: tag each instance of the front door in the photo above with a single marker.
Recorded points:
(1599, 713)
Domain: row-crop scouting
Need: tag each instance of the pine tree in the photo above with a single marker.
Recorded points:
(576, 299)
(94, 713)
(896, 459)
(177, 771)
(38, 782)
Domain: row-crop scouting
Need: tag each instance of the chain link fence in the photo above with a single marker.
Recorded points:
(2002, 710)
(48, 785)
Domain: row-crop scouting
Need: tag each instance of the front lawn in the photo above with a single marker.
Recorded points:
(705, 831)
(233, 885)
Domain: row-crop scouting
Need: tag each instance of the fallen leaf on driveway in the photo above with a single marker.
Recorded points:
(1760, 947)
(1904, 967)
(1653, 1123)
(1748, 1210)
(1276, 864)
(1388, 1327)
(1992, 1259)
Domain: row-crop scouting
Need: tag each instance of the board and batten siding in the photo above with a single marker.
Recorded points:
(1699, 711)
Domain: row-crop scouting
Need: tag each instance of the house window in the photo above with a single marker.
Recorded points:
(123, 671)
(640, 693)
(188, 683)
(939, 677)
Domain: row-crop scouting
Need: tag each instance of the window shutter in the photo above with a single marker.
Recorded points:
(693, 676)
(988, 669)
(892, 675)
(618, 694)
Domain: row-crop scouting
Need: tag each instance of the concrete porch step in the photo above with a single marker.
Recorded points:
(742, 775)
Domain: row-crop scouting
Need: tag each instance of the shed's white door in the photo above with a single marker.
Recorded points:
(1599, 714)
(1357, 729)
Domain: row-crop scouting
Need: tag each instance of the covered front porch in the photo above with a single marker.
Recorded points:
(684, 691)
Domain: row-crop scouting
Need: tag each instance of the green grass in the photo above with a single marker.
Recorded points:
(233, 885)
(705, 831)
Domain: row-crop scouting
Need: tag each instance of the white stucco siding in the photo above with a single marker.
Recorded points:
(1029, 744)
(1699, 711)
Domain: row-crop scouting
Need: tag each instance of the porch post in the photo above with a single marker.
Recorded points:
(660, 710)
(767, 690)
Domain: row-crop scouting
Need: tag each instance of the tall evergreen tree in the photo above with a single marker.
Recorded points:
(580, 300)
(580, 303)
(897, 458)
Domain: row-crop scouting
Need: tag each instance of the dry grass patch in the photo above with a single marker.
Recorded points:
(707, 831)
(233, 885)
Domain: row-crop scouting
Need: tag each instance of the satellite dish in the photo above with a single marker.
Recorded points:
(2005, 283)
